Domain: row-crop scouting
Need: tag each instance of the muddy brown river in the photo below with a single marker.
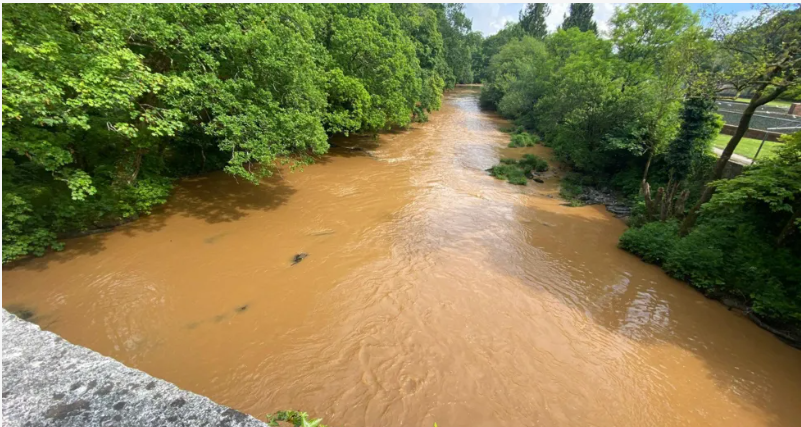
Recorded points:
(432, 292)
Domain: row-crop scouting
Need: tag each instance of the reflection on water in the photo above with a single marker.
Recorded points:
(431, 292)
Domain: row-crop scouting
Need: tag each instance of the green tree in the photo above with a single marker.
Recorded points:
(580, 17)
(105, 104)
(585, 113)
(700, 124)
(493, 44)
(532, 19)
(774, 184)
(455, 28)
(516, 77)
(661, 46)
(765, 52)
(687, 154)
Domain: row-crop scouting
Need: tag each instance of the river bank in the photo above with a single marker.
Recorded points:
(431, 292)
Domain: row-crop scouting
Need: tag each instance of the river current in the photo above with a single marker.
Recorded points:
(431, 292)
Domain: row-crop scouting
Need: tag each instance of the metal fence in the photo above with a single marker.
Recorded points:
(773, 123)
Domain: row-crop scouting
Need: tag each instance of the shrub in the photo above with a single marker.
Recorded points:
(570, 188)
(296, 418)
(23, 231)
(516, 171)
(518, 179)
(509, 172)
(725, 254)
(523, 140)
(653, 242)
(729, 254)
(531, 162)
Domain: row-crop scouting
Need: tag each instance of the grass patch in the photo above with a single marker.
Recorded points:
(775, 103)
(748, 146)
(517, 171)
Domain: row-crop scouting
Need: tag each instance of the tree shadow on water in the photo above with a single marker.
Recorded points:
(215, 198)
(218, 197)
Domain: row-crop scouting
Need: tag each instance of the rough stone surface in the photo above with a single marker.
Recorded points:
(593, 196)
(48, 381)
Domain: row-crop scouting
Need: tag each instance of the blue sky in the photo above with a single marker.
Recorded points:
(491, 17)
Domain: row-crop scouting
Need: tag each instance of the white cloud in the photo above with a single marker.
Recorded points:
(557, 16)
(603, 13)
(499, 23)
(489, 18)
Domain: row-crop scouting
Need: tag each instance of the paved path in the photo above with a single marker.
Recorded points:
(735, 158)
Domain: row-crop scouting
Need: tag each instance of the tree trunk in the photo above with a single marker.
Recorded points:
(667, 203)
(650, 205)
(678, 207)
(645, 172)
(756, 101)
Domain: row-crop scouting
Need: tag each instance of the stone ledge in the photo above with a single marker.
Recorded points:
(48, 381)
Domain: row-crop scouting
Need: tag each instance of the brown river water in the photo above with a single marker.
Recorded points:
(432, 293)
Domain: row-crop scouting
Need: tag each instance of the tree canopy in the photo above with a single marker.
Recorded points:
(532, 19)
(580, 16)
(638, 109)
(105, 104)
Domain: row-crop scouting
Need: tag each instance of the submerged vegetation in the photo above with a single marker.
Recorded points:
(519, 171)
(634, 109)
(104, 105)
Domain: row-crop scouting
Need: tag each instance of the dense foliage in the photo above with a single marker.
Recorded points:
(636, 107)
(104, 105)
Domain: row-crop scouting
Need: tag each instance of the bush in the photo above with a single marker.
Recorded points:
(727, 255)
(523, 140)
(23, 231)
(653, 242)
(99, 115)
(516, 171)
(571, 187)
(518, 179)
(509, 172)
(531, 162)
(296, 418)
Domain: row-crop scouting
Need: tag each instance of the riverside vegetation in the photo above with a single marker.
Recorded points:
(463, 272)
(635, 110)
(105, 105)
